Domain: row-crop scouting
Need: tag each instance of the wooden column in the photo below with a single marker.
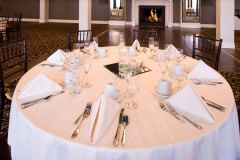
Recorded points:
(225, 22)
(133, 13)
(85, 9)
(44, 11)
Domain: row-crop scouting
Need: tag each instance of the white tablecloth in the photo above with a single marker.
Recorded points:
(43, 131)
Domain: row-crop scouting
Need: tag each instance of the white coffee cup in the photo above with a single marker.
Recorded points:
(132, 51)
(164, 87)
(69, 78)
(102, 52)
(111, 90)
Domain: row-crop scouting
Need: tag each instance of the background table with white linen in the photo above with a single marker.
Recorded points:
(43, 131)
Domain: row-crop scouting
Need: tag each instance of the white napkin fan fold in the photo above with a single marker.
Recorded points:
(136, 45)
(203, 72)
(104, 111)
(57, 57)
(39, 87)
(188, 102)
(173, 51)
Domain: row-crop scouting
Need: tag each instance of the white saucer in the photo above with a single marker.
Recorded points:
(67, 85)
(163, 96)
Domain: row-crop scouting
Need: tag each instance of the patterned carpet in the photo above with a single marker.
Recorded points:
(44, 39)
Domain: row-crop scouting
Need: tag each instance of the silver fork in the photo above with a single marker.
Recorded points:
(166, 109)
(86, 113)
(176, 113)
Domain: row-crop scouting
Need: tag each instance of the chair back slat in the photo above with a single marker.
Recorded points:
(81, 36)
(3, 27)
(207, 49)
(13, 63)
(13, 58)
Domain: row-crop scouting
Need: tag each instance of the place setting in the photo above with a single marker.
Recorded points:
(33, 93)
(202, 74)
(57, 59)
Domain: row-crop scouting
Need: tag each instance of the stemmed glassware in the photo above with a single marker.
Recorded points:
(163, 65)
(121, 41)
(180, 55)
(156, 47)
(151, 43)
(179, 73)
(76, 69)
(132, 88)
(86, 67)
(65, 58)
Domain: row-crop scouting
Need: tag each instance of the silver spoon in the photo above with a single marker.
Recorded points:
(125, 123)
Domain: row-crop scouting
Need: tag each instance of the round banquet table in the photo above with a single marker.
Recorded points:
(43, 131)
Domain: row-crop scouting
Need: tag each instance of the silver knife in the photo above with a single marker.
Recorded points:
(26, 104)
(214, 105)
(117, 135)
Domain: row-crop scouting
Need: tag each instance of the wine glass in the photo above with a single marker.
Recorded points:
(151, 43)
(163, 65)
(121, 41)
(156, 47)
(180, 55)
(179, 73)
(94, 47)
(65, 58)
(132, 88)
(86, 67)
(78, 78)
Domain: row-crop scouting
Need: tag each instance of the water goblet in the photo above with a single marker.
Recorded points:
(132, 88)
(121, 41)
(179, 73)
(180, 55)
(65, 58)
(156, 47)
(86, 67)
(163, 65)
(78, 78)
(151, 43)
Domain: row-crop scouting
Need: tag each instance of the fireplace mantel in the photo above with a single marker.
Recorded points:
(168, 10)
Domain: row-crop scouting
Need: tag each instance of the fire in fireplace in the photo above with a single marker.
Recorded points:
(152, 15)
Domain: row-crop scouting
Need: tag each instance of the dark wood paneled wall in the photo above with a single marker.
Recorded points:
(68, 9)
(28, 8)
(63, 9)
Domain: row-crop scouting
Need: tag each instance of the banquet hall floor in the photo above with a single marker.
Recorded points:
(44, 39)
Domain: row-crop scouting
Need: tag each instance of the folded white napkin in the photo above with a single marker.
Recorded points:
(173, 51)
(189, 103)
(103, 113)
(136, 45)
(203, 72)
(57, 57)
(39, 87)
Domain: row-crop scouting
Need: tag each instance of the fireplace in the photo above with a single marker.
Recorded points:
(152, 15)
